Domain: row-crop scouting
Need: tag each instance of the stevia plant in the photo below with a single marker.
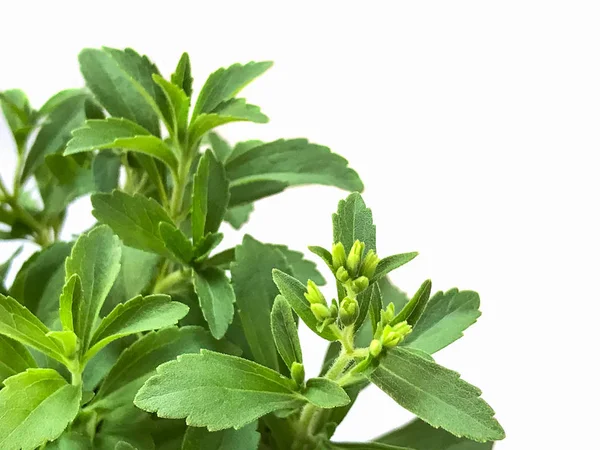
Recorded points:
(144, 334)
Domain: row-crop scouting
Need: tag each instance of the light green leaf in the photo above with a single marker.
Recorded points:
(14, 358)
(255, 292)
(421, 436)
(437, 395)
(70, 440)
(325, 393)
(446, 316)
(302, 268)
(136, 316)
(119, 133)
(389, 263)
(246, 438)
(234, 110)
(177, 103)
(293, 291)
(414, 308)
(176, 242)
(72, 293)
(285, 332)
(138, 362)
(138, 268)
(18, 323)
(224, 84)
(18, 113)
(135, 219)
(216, 298)
(182, 76)
(210, 196)
(122, 82)
(203, 387)
(122, 445)
(237, 216)
(55, 132)
(354, 221)
(220, 146)
(37, 405)
(95, 258)
(292, 162)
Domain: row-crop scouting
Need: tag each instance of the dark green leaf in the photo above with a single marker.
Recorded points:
(414, 308)
(14, 358)
(247, 193)
(136, 316)
(122, 82)
(5, 267)
(354, 221)
(386, 265)
(224, 84)
(138, 362)
(291, 162)
(105, 168)
(246, 438)
(322, 253)
(58, 99)
(18, 113)
(302, 268)
(216, 298)
(119, 133)
(95, 258)
(421, 436)
(237, 216)
(293, 291)
(285, 332)
(182, 76)
(446, 316)
(365, 446)
(177, 104)
(36, 406)
(219, 146)
(437, 395)
(255, 292)
(135, 219)
(176, 242)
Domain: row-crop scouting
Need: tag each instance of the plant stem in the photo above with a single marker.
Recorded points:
(163, 284)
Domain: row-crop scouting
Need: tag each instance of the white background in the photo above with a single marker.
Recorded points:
(475, 127)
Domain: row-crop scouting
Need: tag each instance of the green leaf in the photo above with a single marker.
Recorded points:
(182, 76)
(72, 293)
(210, 196)
(135, 219)
(206, 245)
(325, 393)
(365, 446)
(255, 293)
(285, 332)
(119, 133)
(122, 82)
(446, 316)
(322, 253)
(70, 440)
(247, 193)
(293, 291)
(14, 358)
(292, 162)
(105, 170)
(37, 405)
(176, 242)
(122, 445)
(421, 436)
(224, 84)
(177, 105)
(414, 308)
(437, 395)
(389, 263)
(95, 258)
(5, 267)
(216, 298)
(55, 132)
(246, 438)
(220, 146)
(138, 362)
(354, 221)
(58, 99)
(302, 268)
(238, 215)
(203, 387)
(243, 147)
(18, 113)
(139, 314)
(18, 323)
(234, 110)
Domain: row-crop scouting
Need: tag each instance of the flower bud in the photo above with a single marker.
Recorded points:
(338, 254)
(388, 314)
(369, 264)
(402, 328)
(360, 284)
(333, 309)
(313, 294)
(375, 348)
(348, 311)
(297, 372)
(342, 275)
(354, 257)
(320, 311)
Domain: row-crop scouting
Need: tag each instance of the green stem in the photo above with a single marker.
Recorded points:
(163, 284)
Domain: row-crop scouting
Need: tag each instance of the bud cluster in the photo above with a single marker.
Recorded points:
(386, 335)
(318, 304)
(356, 269)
